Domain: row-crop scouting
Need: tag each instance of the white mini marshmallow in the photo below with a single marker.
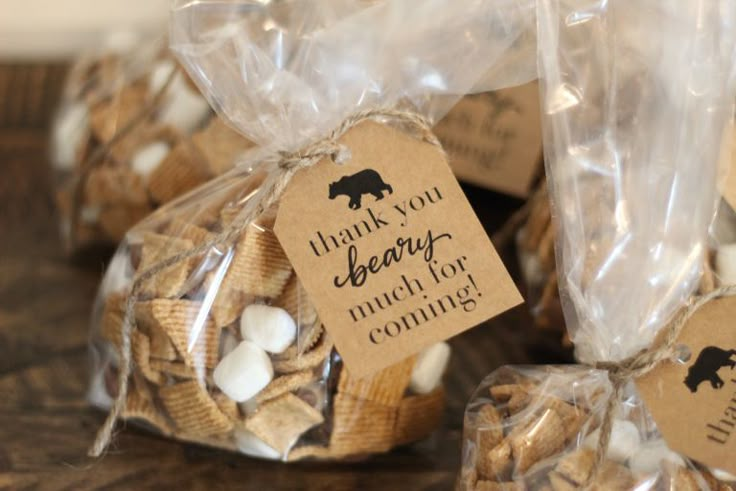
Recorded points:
(119, 274)
(67, 134)
(625, 440)
(183, 107)
(429, 368)
(186, 111)
(243, 372)
(531, 268)
(249, 444)
(159, 75)
(649, 457)
(726, 264)
(722, 475)
(148, 158)
(271, 328)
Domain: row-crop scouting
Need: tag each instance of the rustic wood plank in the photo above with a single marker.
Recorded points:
(28, 93)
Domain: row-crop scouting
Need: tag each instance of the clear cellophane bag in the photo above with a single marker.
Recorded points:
(636, 95)
(227, 348)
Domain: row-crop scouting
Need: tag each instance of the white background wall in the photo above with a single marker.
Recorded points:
(59, 28)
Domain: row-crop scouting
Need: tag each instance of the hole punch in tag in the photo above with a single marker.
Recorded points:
(389, 250)
(693, 398)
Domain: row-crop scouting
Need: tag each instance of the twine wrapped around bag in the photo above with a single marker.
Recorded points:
(285, 165)
(633, 116)
(663, 350)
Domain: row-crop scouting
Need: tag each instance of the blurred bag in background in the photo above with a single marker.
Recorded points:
(132, 133)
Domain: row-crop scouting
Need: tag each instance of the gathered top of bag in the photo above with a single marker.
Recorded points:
(632, 151)
(285, 73)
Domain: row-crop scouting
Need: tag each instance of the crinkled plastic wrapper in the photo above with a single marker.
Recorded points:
(132, 133)
(636, 95)
(227, 348)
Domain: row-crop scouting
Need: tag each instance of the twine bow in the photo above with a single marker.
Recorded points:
(287, 164)
(620, 373)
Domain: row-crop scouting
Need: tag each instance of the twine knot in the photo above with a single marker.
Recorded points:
(621, 373)
(309, 156)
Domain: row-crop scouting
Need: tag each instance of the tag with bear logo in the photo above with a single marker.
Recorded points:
(693, 399)
(389, 250)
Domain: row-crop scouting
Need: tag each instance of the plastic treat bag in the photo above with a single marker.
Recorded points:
(635, 98)
(132, 133)
(202, 329)
(534, 232)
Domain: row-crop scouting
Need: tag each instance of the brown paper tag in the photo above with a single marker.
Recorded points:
(494, 139)
(389, 250)
(694, 403)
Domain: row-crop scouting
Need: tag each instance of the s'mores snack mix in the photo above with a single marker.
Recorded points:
(229, 351)
(132, 133)
(213, 324)
(635, 99)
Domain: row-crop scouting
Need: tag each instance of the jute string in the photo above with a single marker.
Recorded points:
(287, 164)
(664, 349)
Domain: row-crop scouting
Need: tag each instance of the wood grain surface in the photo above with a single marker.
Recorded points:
(45, 301)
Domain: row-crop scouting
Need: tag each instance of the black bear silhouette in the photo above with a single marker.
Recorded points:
(706, 366)
(363, 182)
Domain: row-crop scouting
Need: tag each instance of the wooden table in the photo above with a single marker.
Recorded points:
(45, 301)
